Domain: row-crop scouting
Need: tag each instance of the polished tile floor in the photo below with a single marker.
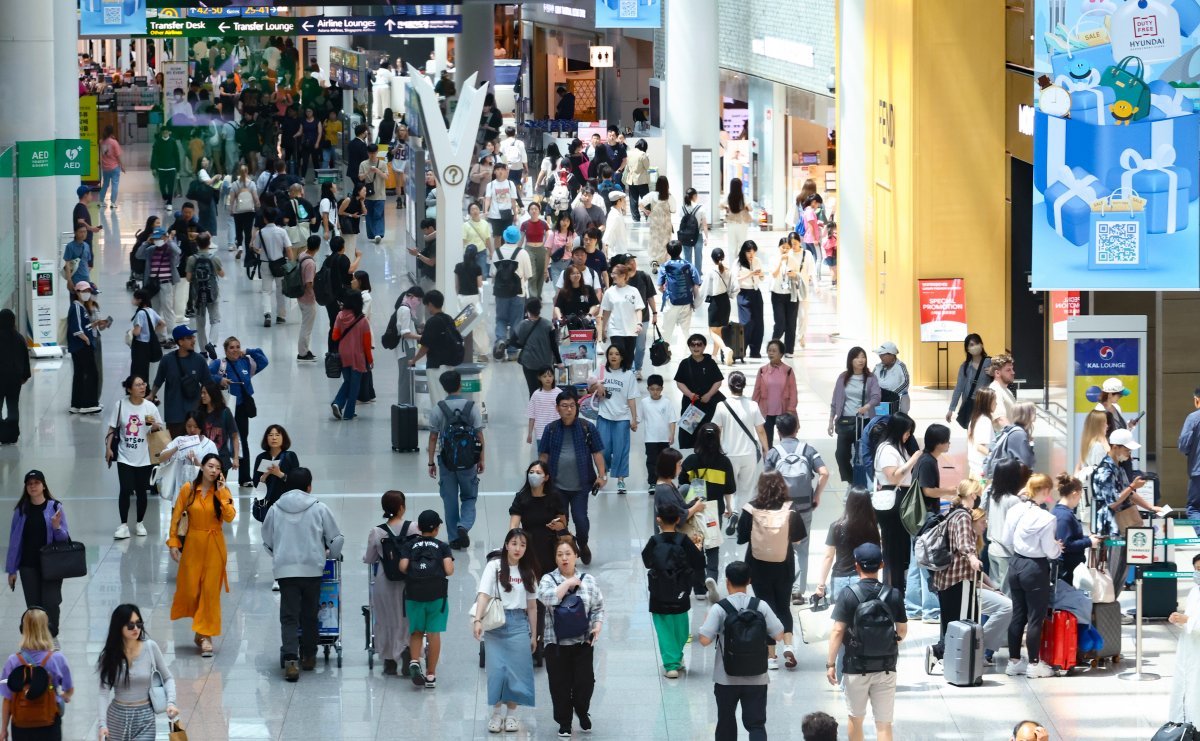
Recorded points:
(240, 694)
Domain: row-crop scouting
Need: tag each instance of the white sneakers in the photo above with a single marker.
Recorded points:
(710, 584)
(122, 532)
(772, 663)
(139, 530)
(1039, 670)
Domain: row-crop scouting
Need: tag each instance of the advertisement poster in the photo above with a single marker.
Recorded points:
(1063, 305)
(112, 18)
(737, 166)
(628, 14)
(87, 132)
(1116, 145)
(943, 310)
(1097, 360)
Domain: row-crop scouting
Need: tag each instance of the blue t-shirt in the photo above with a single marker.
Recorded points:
(81, 251)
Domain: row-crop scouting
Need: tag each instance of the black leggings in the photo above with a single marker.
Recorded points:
(950, 604)
(133, 480)
(772, 583)
(785, 312)
(243, 228)
(844, 455)
(1029, 587)
(896, 544)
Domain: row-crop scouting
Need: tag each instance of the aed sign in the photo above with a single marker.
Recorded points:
(53, 157)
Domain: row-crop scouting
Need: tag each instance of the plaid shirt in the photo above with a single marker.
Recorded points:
(588, 590)
(586, 439)
(962, 546)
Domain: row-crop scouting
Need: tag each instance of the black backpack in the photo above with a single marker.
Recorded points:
(323, 284)
(391, 336)
(389, 550)
(744, 640)
(507, 284)
(204, 280)
(872, 646)
(460, 444)
(689, 228)
(670, 577)
(426, 577)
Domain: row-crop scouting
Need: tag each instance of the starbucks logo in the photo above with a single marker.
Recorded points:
(453, 175)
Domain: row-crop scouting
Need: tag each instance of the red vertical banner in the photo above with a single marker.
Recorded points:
(1063, 305)
(943, 309)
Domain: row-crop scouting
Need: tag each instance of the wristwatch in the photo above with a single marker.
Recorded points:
(830, 666)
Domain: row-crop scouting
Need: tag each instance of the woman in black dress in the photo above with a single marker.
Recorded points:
(538, 510)
(699, 380)
(14, 372)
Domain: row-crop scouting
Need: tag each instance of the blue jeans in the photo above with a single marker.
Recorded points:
(347, 395)
(919, 600)
(509, 312)
(695, 253)
(838, 584)
(375, 218)
(576, 502)
(328, 157)
(639, 349)
(615, 436)
(459, 490)
(481, 259)
(108, 177)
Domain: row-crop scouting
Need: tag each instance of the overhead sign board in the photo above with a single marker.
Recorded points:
(628, 14)
(1139, 545)
(111, 18)
(602, 56)
(243, 4)
(395, 25)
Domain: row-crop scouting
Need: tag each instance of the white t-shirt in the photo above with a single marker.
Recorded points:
(888, 456)
(1005, 401)
(489, 584)
(329, 207)
(626, 305)
(590, 278)
(146, 320)
(717, 284)
(501, 194)
(655, 417)
(132, 429)
(733, 439)
(513, 151)
(980, 433)
(621, 385)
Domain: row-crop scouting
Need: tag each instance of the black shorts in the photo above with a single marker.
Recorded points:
(502, 223)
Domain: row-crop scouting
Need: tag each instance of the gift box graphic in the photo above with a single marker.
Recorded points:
(1089, 99)
(1069, 204)
(1068, 143)
(1156, 179)
(1189, 15)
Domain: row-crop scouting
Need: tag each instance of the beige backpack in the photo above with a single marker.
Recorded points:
(769, 536)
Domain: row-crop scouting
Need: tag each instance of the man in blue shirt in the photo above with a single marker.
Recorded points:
(1189, 445)
(79, 249)
(572, 449)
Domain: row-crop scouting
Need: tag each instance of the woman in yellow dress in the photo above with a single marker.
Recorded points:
(198, 546)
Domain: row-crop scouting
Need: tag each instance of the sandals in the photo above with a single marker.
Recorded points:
(510, 724)
(206, 647)
(494, 724)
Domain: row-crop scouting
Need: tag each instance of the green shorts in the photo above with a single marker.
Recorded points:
(427, 617)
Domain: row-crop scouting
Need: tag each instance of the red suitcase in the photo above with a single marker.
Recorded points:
(1060, 640)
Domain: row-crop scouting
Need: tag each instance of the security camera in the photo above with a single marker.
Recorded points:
(831, 81)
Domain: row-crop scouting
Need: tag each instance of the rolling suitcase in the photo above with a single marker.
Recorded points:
(1159, 596)
(404, 428)
(1106, 619)
(734, 337)
(1060, 640)
(962, 656)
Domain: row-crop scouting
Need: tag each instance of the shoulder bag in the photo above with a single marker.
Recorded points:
(493, 614)
(1102, 584)
(963, 418)
(189, 387)
(753, 440)
(114, 442)
(158, 690)
(278, 266)
(297, 233)
(851, 422)
(63, 560)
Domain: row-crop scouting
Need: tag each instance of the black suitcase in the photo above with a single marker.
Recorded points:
(1159, 596)
(1106, 619)
(404, 428)
(734, 337)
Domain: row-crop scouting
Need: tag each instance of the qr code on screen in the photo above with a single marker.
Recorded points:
(112, 15)
(628, 9)
(1118, 243)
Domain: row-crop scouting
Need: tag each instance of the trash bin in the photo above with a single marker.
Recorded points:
(472, 388)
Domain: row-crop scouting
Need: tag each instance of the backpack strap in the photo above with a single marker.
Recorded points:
(753, 604)
(729, 609)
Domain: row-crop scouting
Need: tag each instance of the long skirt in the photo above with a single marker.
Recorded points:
(510, 661)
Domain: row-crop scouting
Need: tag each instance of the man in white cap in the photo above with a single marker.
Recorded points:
(1113, 492)
(893, 376)
(616, 224)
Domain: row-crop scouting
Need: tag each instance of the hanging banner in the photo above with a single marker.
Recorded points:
(87, 132)
(943, 310)
(112, 18)
(1063, 305)
(628, 14)
(1101, 348)
(1116, 201)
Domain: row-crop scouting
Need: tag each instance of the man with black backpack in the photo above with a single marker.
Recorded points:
(457, 425)
(869, 619)
(740, 625)
(511, 272)
(203, 269)
(673, 561)
(441, 343)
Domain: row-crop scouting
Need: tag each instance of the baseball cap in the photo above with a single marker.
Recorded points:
(1114, 386)
(182, 331)
(428, 520)
(83, 285)
(616, 195)
(82, 190)
(1124, 438)
(512, 235)
(158, 233)
(35, 475)
(869, 556)
(887, 348)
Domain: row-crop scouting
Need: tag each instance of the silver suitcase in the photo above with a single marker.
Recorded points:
(962, 658)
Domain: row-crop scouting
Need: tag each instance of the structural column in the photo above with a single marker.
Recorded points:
(325, 43)
(473, 50)
(66, 103)
(691, 110)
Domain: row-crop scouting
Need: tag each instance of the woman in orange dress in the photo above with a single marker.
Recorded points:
(204, 505)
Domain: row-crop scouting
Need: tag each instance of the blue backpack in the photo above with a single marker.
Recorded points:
(872, 436)
(571, 617)
(679, 281)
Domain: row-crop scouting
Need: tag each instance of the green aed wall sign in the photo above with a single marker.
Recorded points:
(51, 157)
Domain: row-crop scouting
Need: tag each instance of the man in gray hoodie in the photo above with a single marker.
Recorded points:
(300, 533)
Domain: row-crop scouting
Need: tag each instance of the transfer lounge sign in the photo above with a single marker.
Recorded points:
(943, 310)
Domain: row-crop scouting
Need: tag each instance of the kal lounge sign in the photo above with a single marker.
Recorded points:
(1146, 29)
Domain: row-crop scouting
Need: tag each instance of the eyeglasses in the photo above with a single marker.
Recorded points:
(131, 625)
(695, 344)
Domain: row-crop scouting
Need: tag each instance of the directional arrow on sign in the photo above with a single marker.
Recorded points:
(390, 24)
(306, 26)
(223, 27)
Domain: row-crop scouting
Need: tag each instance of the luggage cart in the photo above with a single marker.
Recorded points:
(329, 618)
(369, 617)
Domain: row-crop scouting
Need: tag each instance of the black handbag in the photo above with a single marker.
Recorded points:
(848, 423)
(963, 418)
(64, 560)
(246, 403)
(1176, 732)
(278, 267)
(333, 360)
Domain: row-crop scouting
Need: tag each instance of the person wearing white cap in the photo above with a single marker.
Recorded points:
(83, 336)
(1111, 392)
(616, 224)
(893, 377)
(1113, 491)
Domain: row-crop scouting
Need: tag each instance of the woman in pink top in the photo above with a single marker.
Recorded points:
(775, 388)
(111, 166)
(352, 340)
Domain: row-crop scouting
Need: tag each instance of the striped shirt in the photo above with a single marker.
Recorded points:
(542, 409)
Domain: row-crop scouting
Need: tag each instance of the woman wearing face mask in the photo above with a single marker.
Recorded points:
(538, 510)
(976, 366)
(1185, 690)
(83, 338)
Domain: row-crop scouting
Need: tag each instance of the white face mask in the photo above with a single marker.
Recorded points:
(1196, 578)
(535, 479)
(85, 296)
(975, 350)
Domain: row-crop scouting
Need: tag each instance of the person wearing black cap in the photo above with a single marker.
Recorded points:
(428, 564)
(38, 520)
(869, 619)
(183, 372)
(82, 215)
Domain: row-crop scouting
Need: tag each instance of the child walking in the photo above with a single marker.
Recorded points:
(427, 562)
(542, 408)
(658, 426)
(671, 560)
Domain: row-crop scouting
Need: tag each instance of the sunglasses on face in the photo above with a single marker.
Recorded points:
(695, 344)
(132, 625)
